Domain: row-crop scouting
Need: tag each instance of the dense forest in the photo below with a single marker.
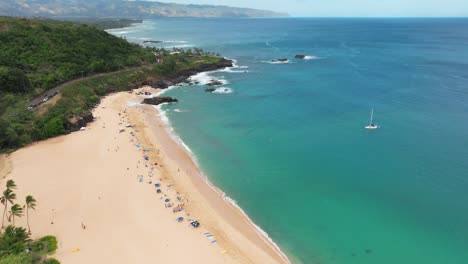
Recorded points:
(39, 54)
(36, 55)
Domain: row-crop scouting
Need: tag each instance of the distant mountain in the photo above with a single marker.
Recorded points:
(122, 9)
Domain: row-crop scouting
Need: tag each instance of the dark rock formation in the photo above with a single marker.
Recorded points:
(210, 90)
(280, 60)
(300, 56)
(181, 76)
(75, 123)
(214, 83)
(159, 100)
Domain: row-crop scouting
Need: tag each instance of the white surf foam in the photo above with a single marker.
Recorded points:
(309, 57)
(223, 90)
(175, 41)
(180, 111)
(205, 78)
(163, 91)
(179, 46)
(235, 66)
(277, 62)
(230, 70)
(262, 232)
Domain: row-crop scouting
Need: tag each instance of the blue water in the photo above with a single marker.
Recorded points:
(289, 144)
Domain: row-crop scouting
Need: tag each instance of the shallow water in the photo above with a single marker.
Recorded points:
(288, 141)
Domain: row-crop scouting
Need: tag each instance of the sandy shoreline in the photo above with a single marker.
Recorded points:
(96, 193)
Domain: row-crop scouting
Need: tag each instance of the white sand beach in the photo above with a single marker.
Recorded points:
(95, 191)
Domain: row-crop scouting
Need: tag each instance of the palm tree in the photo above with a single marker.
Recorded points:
(11, 184)
(15, 210)
(30, 204)
(8, 196)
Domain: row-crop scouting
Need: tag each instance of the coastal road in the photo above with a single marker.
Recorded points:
(45, 96)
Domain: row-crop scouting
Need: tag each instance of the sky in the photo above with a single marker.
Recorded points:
(349, 8)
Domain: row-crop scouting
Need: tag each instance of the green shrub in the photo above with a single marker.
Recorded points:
(50, 261)
(53, 127)
(45, 245)
(22, 258)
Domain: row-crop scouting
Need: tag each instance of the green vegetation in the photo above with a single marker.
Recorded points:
(37, 55)
(16, 246)
(106, 23)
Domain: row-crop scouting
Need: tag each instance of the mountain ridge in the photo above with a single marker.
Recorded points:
(123, 9)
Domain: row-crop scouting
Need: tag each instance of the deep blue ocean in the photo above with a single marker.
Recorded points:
(287, 141)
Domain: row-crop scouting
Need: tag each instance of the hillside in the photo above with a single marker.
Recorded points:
(37, 55)
(122, 9)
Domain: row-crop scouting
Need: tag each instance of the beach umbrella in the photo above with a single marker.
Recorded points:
(167, 200)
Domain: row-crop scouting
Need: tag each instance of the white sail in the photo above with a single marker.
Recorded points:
(371, 122)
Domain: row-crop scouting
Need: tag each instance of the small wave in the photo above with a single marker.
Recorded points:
(311, 57)
(163, 91)
(205, 78)
(277, 62)
(180, 111)
(120, 32)
(179, 46)
(262, 232)
(171, 131)
(175, 41)
(234, 71)
(223, 90)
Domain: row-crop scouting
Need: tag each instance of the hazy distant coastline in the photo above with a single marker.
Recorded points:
(123, 9)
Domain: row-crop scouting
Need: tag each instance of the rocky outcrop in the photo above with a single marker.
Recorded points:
(300, 56)
(214, 83)
(159, 100)
(182, 76)
(280, 60)
(75, 123)
(210, 90)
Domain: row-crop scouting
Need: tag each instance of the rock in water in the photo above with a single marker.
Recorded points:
(159, 100)
(210, 90)
(280, 60)
(300, 56)
(214, 83)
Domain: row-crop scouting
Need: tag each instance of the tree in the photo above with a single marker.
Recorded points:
(13, 241)
(8, 196)
(15, 210)
(11, 184)
(30, 204)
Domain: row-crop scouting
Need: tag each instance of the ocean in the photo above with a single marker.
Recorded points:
(287, 142)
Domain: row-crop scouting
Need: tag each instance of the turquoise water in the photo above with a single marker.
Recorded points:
(288, 143)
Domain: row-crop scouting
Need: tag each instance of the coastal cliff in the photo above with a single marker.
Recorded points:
(181, 76)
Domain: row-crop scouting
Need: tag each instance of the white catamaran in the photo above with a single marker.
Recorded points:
(371, 124)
